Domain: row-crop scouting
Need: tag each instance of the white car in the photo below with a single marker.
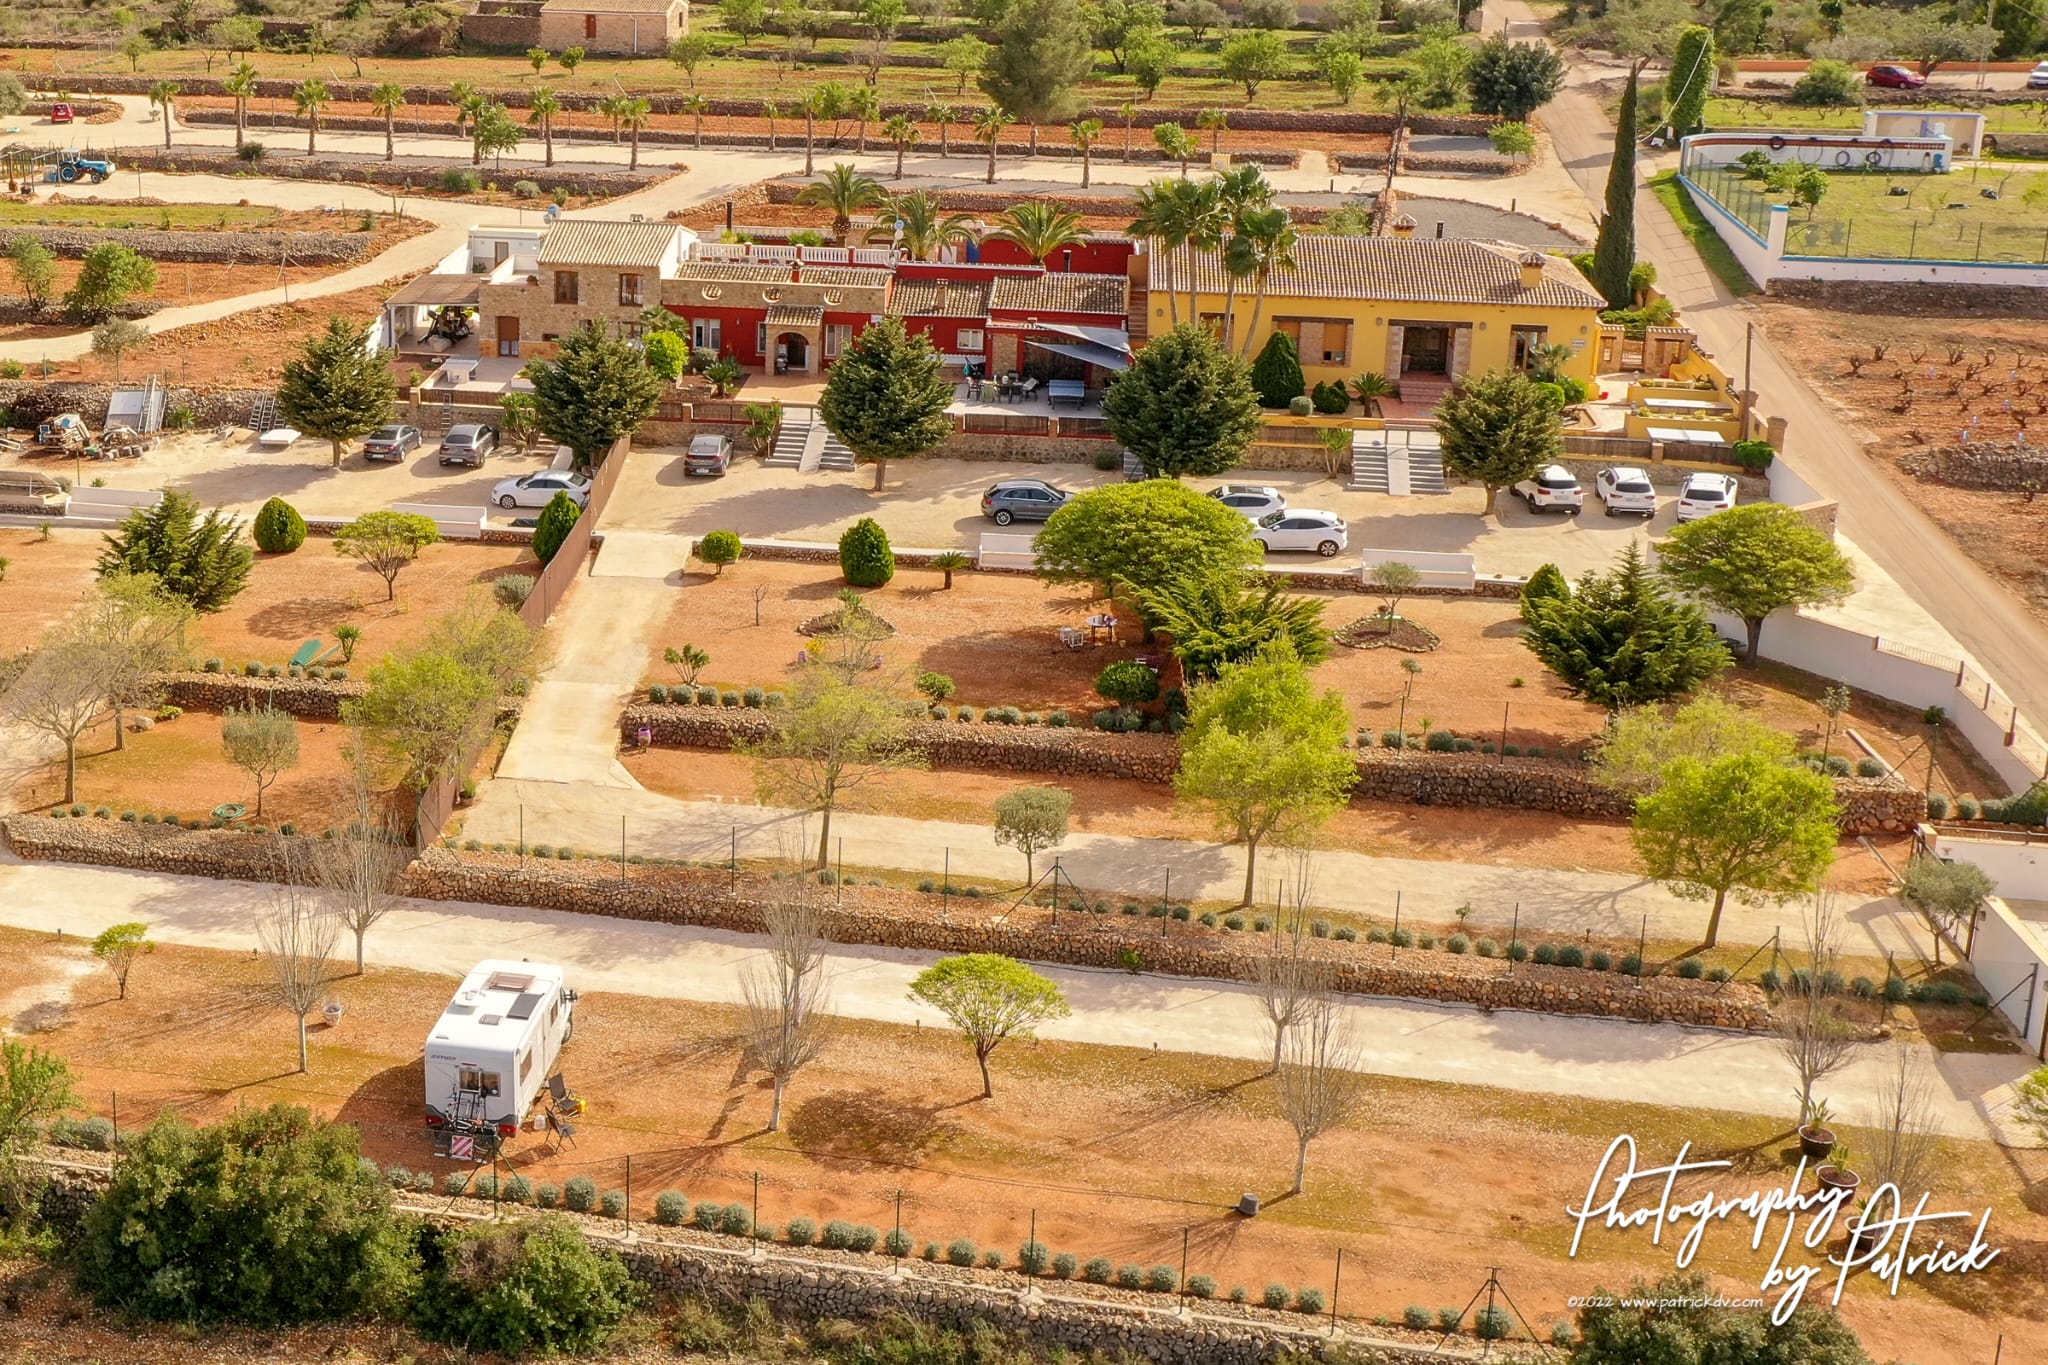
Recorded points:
(538, 490)
(2037, 79)
(1302, 529)
(1554, 489)
(1704, 494)
(1254, 500)
(1625, 488)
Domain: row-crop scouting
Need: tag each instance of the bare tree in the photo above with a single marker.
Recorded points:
(832, 736)
(786, 1021)
(1319, 1081)
(146, 632)
(364, 863)
(62, 692)
(297, 935)
(1287, 978)
(1812, 1035)
(1902, 1152)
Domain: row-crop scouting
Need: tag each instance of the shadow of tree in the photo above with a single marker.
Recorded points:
(847, 1129)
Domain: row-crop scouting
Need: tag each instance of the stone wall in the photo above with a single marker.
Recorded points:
(1930, 300)
(244, 248)
(225, 853)
(306, 698)
(2001, 466)
(342, 168)
(32, 400)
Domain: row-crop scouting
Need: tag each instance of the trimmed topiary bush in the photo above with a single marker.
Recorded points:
(278, 528)
(800, 1232)
(720, 548)
(671, 1209)
(960, 1251)
(865, 559)
(553, 525)
(1276, 373)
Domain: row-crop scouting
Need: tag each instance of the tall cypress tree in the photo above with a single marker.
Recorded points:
(1614, 253)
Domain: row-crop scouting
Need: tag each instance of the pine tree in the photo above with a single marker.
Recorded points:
(1614, 253)
(201, 560)
(1621, 640)
(1497, 428)
(887, 396)
(337, 388)
(596, 389)
(1043, 51)
(1186, 405)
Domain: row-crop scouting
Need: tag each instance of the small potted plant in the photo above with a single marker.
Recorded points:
(1816, 1139)
(1836, 1175)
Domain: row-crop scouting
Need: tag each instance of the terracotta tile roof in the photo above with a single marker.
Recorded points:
(1396, 269)
(852, 276)
(591, 241)
(607, 6)
(938, 299)
(732, 272)
(794, 315)
(1060, 291)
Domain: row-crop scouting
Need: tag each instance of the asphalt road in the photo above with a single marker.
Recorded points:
(1981, 613)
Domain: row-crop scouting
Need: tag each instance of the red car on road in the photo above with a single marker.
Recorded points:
(1892, 77)
(60, 112)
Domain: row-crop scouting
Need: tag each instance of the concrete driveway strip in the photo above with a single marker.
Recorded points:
(1541, 1054)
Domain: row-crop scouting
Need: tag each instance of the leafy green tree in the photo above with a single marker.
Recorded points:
(833, 736)
(964, 56)
(1251, 59)
(1614, 250)
(553, 525)
(529, 1287)
(1620, 640)
(1676, 1322)
(1142, 536)
(1343, 71)
(688, 51)
(492, 131)
(1513, 80)
(109, 275)
(200, 560)
(1185, 406)
(1264, 755)
(991, 999)
(268, 1217)
(337, 388)
(388, 541)
(142, 630)
(1042, 52)
(1948, 892)
(1642, 741)
(1512, 139)
(1746, 824)
(1691, 80)
(422, 708)
(1117, 23)
(1276, 374)
(119, 946)
(1229, 616)
(746, 19)
(865, 559)
(35, 271)
(116, 338)
(720, 548)
(596, 389)
(1753, 560)
(887, 395)
(1032, 820)
(1741, 26)
(1497, 428)
(35, 1086)
(263, 743)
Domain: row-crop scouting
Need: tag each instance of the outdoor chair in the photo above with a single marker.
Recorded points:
(1030, 388)
(561, 1132)
(1072, 637)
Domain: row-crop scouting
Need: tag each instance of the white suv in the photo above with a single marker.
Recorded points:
(1703, 494)
(1625, 488)
(1254, 500)
(1554, 489)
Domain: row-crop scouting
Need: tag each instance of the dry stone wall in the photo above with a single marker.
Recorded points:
(306, 698)
(2001, 466)
(244, 248)
(32, 401)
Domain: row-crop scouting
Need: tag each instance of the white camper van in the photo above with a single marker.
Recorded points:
(492, 1050)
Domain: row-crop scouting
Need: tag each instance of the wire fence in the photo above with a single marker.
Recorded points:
(1928, 233)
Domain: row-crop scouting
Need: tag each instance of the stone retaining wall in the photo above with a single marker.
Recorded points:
(888, 917)
(239, 248)
(344, 169)
(1915, 299)
(2004, 467)
(306, 698)
(32, 400)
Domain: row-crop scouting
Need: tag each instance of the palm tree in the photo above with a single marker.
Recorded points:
(988, 127)
(1039, 228)
(1369, 388)
(921, 227)
(696, 106)
(1085, 134)
(1204, 220)
(1243, 188)
(471, 111)
(385, 99)
(609, 107)
(165, 93)
(633, 113)
(1129, 110)
(771, 111)
(1174, 141)
(813, 105)
(1156, 222)
(1264, 243)
(901, 131)
(863, 105)
(846, 192)
(309, 97)
(462, 95)
(543, 106)
(1214, 121)
(945, 115)
(240, 83)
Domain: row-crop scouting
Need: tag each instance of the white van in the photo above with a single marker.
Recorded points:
(492, 1050)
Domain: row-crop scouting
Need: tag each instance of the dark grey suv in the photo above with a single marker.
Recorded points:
(468, 444)
(1022, 500)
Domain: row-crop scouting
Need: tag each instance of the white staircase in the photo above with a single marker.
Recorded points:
(1368, 466)
(1426, 470)
(790, 438)
(1397, 464)
(832, 455)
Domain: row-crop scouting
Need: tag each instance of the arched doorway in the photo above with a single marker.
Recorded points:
(792, 353)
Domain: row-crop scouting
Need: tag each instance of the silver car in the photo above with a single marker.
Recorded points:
(1254, 500)
(468, 444)
(538, 490)
(1022, 500)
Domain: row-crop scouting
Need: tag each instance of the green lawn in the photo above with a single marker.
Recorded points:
(1731, 111)
(114, 216)
(1701, 234)
(1937, 217)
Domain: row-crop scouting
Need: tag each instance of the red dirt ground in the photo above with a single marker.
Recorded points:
(43, 582)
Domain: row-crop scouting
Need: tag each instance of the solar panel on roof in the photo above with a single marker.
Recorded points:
(524, 1006)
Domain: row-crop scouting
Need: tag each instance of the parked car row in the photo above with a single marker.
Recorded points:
(466, 444)
(1625, 490)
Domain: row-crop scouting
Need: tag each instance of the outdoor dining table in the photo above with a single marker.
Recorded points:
(1071, 390)
(1102, 621)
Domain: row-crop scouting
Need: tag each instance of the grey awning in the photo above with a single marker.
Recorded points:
(1110, 338)
(1085, 351)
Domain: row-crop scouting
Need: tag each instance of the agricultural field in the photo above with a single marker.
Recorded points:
(1983, 214)
(1733, 111)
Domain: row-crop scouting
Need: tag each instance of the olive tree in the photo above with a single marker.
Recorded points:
(990, 999)
(1033, 820)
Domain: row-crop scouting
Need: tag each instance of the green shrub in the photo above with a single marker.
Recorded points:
(1601, 960)
(863, 1239)
(1162, 1279)
(553, 525)
(1492, 1323)
(1130, 1275)
(267, 1217)
(1201, 1287)
(1561, 1333)
(1870, 767)
(457, 181)
(1450, 1319)
(1425, 940)
(1276, 1296)
(738, 1221)
(1401, 938)
(580, 1194)
(278, 528)
(1329, 399)
(720, 548)
(1108, 458)
(1630, 965)
(1065, 1266)
(865, 559)
(1308, 1300)
(1032, 1258)
(1720, 974)
(93, 1134)
(930, 1252)
(1276, 373)
(1127, 683)
(897, 1243)
(1571, 955)
(960, 1251)
(251, 152)
(512, 589)
(484, 1185)
(992, 1259)
(546, 1196)
(657, 693)
(1486, 947)
(525, 189)
(1691, 969)
(799, 1232)
(534, 1286)
(1828, 83)
(1415, 1318)
(1754, 456)
(1457, 943)
(708, 1214)
(671, 1209)
(1896, 990)
(1098, 1270)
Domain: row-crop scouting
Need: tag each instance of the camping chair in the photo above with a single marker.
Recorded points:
(561, 1132)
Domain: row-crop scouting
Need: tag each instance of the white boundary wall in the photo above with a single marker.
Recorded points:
(1439, 568)
(2009, 954)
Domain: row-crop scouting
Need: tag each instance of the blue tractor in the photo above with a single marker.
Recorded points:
(72, 167)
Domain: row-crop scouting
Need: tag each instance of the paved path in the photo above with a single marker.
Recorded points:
(593, 816)
(1543, 1054)
(1980, 612)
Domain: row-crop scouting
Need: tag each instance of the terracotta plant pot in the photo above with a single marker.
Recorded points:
(1839, 1178)
(1815, 1144)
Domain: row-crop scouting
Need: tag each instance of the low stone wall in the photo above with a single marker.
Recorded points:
(343, 169)
(306, 698)
(231, 248)
(224, 853)
(32, 401)
(2004, 467)
(1914, 299)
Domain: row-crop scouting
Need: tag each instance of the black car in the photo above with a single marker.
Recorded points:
(394, 442)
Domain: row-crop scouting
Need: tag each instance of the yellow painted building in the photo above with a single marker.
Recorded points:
(1421, 311)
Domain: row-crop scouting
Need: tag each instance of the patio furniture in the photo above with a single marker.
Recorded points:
(311, 652)
(1069, 390)
(1071, 637)
(1030, 387)
(561, 1132)
(1102, 621)
(279, 437)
